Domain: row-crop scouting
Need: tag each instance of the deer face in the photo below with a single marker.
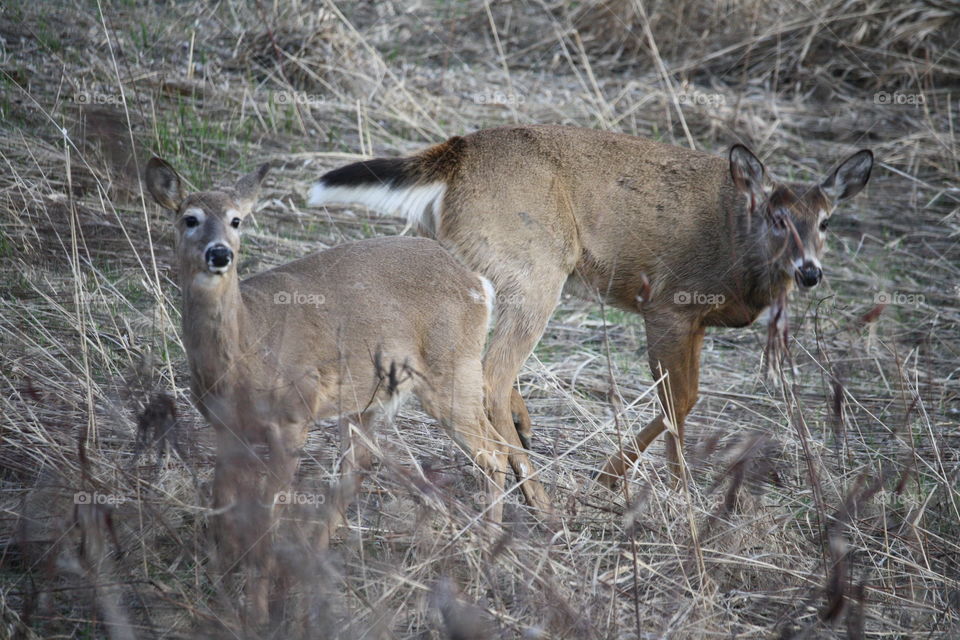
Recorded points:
(207, 223)
(792, 219)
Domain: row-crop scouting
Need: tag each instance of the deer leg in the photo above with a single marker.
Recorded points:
(355, 458)
(520, 323)
(238, 519)
(241, 525)
(521, 418)
(233, 482)
(673, 346)
(454, 397)
(284, 444)
(487, 450)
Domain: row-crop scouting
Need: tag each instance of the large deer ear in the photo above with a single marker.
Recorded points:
(850, 177)
(164, 184)
(248, 187)
(747, 173)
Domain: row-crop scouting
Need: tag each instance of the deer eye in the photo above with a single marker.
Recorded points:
(824, 224)
(779, 222)
(235, 223)
(190, 221)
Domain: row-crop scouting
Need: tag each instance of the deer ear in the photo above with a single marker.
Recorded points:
(747, 172)
(164, 184)
(248, 187)
(850, 177)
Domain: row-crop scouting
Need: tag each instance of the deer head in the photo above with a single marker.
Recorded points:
(789, 221)
(207, 223)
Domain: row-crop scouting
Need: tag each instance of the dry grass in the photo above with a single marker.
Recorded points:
(823, 504)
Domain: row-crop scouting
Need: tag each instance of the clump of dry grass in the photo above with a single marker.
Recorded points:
(820, 504)
(304, 47)
(820, 46)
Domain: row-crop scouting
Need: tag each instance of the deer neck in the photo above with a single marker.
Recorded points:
(214, 321)
(759, 269)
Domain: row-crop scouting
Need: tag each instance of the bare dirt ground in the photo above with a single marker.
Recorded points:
(821, 504)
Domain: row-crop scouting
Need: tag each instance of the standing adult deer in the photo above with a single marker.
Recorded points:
(348, 331)
(685, 238)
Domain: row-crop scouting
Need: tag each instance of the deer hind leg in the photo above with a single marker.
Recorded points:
(673, 346)
(521, 319)
(454, 397)
(521, 418)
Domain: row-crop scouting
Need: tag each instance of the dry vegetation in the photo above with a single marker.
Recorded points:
(823, 504)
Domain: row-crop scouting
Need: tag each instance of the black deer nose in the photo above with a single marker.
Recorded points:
(810, 274)
(219, 256)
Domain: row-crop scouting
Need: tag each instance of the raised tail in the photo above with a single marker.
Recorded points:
(412, 188)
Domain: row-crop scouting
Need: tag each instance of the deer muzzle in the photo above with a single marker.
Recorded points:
(218, 257)
(809, 274)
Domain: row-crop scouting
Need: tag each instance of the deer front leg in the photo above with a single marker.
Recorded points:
(233, 483)
(673, 348)
(355, 459)
(285, 444)
(241, 519)
(269, 586)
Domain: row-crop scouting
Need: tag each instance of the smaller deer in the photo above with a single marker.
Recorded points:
(350, 331)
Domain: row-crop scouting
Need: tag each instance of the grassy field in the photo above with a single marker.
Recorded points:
(823, 503)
